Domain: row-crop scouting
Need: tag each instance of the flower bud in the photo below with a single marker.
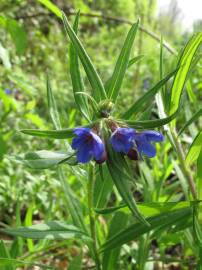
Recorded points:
(132, 154)
(102, 159)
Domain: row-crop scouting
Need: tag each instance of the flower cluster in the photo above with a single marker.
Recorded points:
(88, 145)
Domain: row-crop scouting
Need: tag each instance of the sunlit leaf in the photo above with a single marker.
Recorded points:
(181, 76)
(194, 149)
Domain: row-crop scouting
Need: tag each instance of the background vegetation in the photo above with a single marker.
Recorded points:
(32, 44)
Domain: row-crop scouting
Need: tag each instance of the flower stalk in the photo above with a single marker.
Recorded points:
(90, 186)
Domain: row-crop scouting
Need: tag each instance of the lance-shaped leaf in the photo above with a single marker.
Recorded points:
(134, 231)
(122, 184)
(151, 123)
(52, 106)
(138, 105)
(77, 82)
(195, 149)
(93, 77)
(184, 63)
(196, 224)
(110, 258)
(46, 159)
(53, 134)
(51, 230)
(135, 60)
(73, 203)
(190, 121)
(121, 66)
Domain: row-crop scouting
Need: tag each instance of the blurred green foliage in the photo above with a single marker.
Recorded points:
(32, 44)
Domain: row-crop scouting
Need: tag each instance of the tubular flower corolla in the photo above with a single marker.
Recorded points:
(88, 145)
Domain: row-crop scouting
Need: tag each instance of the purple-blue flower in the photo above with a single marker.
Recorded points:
(7, 91)
(144, 141)
(122, 139)
(88, 145)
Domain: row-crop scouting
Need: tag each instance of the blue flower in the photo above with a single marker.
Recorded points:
(122, 139)
(88, 145)
(143, 142)
(7, 91)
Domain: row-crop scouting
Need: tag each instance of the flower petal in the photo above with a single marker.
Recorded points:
(97, 146)
(84, 155)
(122, 139)
(88, 145)
(81, 131)
(77, 142)
(144, 146)
(153, 135)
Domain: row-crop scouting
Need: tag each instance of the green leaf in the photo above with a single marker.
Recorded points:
(190, 121)
(199, 168)
(196, 225)
(76, 263)
(52, 106)
(17, 33)
(77, 81)
(110, 258)
(104, 187)
(147, 209)
(121, 64)
(151, 123)
(56, 230)
(138, 105)
(8, 261)
(4, 253)
(195, 149)
(122, 184)
(93, 77)
(74, 205)
(52, 7)
(46, 159)
(135, 60)
(181, 76)
(134, 231)
(109, 210)
(53, 134)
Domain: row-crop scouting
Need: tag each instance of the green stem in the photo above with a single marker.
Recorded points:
(92, 215)
(184, 168)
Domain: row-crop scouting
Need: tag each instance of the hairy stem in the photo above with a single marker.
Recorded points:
(91, 179)
(185, 170)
